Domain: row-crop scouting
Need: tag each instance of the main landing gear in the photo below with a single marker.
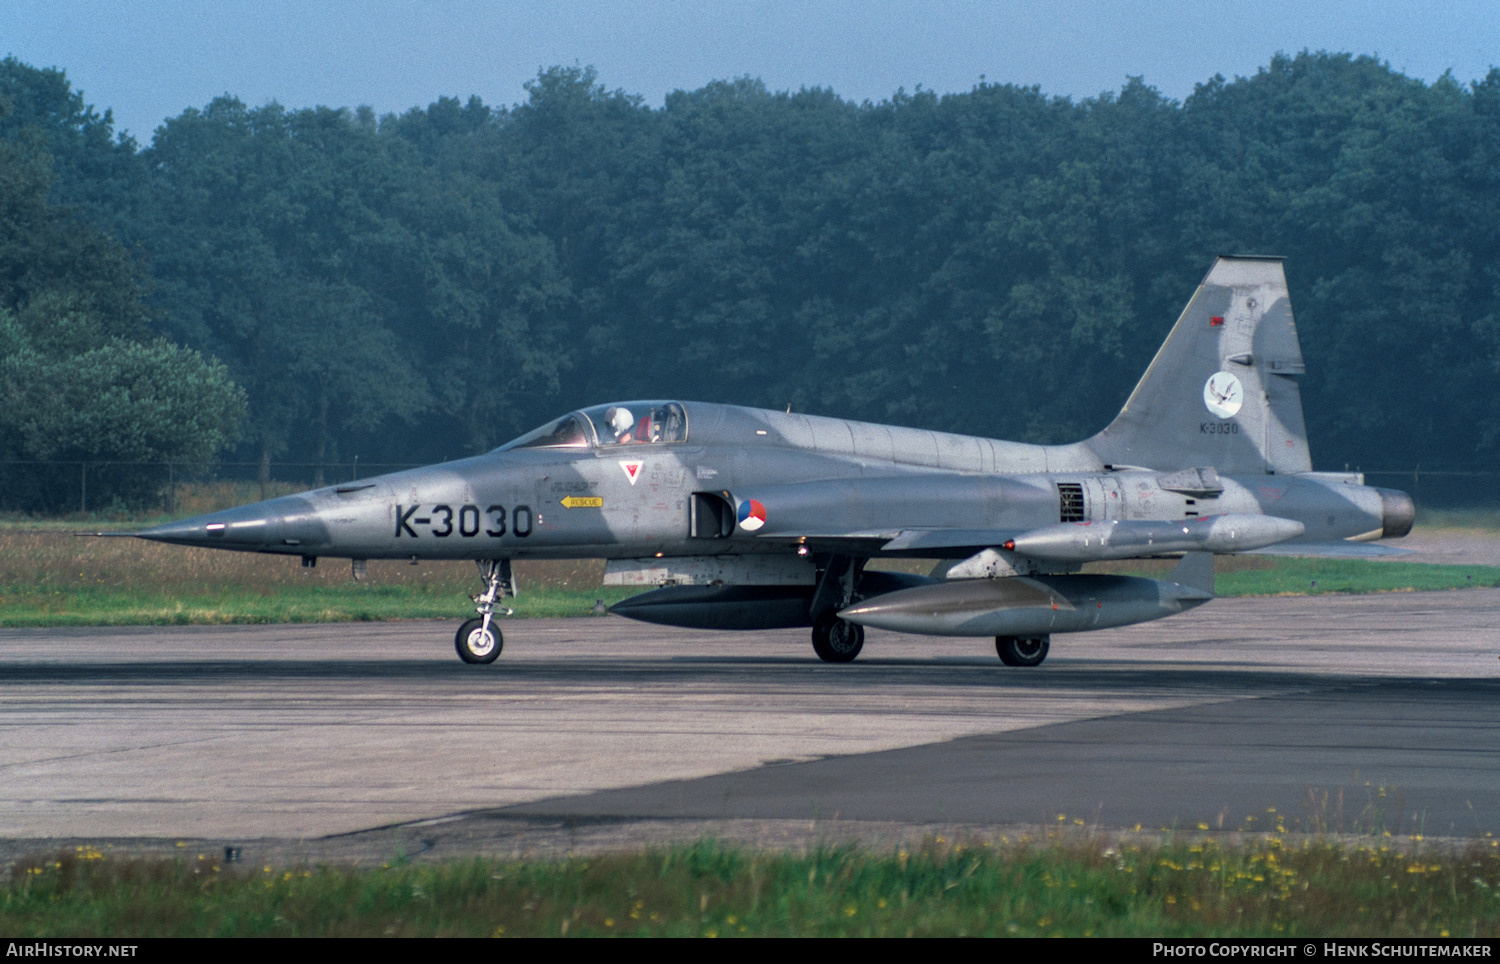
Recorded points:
(1022, 650)
(837, 641)
(833, 639)
(480, 640)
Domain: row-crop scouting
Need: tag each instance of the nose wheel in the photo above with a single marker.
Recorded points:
(480, 640)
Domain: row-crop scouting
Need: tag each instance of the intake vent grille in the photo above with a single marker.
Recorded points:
(1070, 501)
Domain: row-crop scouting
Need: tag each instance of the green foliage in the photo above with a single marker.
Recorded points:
(53, 263)
(119, 401)
(260, 250)
(997, 261)
(79, 376)
(123, 401)
(344, 287)
(1023, 885)
(97, 171)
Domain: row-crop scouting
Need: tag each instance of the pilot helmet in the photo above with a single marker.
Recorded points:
(620, 420)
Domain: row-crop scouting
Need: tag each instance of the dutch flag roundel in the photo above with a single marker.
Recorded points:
(752, 515)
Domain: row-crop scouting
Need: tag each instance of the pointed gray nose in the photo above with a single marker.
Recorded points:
(264, 525)
(237, 528)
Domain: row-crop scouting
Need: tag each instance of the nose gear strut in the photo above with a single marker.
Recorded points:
(479, 640)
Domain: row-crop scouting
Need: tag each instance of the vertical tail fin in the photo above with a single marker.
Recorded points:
(1222, 391)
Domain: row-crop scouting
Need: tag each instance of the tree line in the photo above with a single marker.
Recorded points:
(321, 283)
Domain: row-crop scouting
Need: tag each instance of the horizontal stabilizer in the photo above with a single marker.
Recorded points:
(1196, 571)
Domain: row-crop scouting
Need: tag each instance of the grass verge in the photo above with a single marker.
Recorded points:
(229, 605)
(1286, 576)
(1265, 886)
(55, 578)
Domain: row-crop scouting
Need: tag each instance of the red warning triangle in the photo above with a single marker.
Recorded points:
(632, 470)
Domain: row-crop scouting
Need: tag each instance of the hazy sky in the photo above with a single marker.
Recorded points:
(151, 59)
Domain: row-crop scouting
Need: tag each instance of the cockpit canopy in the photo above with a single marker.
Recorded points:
(622, 423)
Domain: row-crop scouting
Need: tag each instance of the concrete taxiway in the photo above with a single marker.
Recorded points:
(1340, 712)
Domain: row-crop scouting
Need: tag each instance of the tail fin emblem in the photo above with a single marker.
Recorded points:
(1223, 394)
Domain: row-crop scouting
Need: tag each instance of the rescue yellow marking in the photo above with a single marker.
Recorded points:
(582, 502)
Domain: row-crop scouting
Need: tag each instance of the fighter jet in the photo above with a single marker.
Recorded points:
(740, 518)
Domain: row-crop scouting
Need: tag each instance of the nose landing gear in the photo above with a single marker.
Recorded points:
(480, 640)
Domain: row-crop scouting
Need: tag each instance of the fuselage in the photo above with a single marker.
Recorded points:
(727, 479)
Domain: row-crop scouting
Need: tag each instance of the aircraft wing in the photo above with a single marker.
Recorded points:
(905, 541)
(1332, 550)
(860, 542)
(909, 540)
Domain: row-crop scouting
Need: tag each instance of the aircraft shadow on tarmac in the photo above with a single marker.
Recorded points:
(1226, 679)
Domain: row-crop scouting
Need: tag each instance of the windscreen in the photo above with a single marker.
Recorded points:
(570, 431)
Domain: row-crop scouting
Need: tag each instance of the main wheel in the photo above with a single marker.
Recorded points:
(1022, 650)
(837, 641)
(476, 644)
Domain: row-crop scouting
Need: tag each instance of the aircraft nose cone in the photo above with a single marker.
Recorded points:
(248, 527)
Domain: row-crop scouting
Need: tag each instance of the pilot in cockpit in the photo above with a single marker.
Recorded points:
(620, 421)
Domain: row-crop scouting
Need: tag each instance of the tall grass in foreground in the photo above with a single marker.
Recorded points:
(52, 578)
(1054, 885)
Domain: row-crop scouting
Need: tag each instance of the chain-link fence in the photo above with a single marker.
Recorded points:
(1443, 488)
(75, 486)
